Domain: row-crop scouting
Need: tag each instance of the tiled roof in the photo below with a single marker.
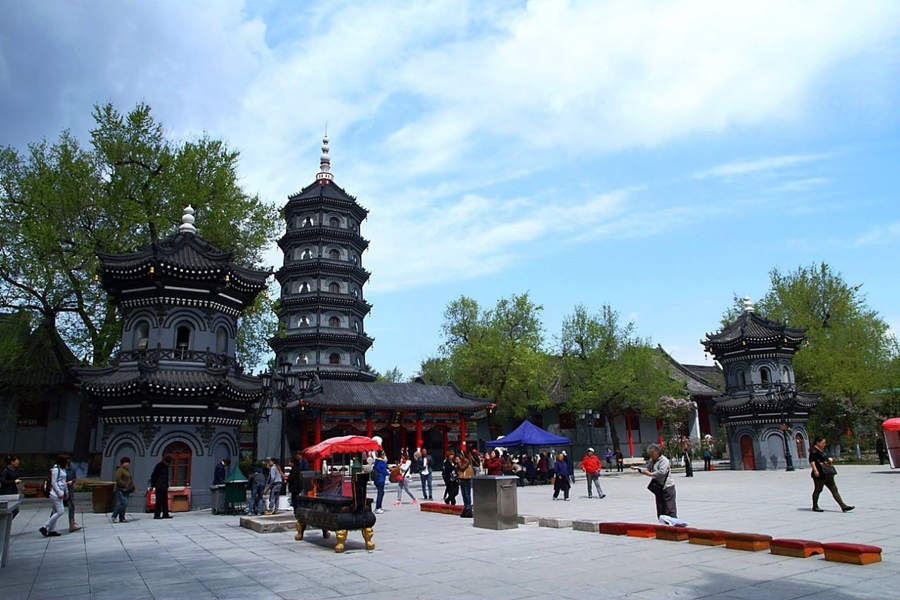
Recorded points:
(32, 355)
(696, 384)
(116, 381)
(750, 326)
(362, 395)
(711, 374)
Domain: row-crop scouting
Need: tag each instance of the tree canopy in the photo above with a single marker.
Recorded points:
(849, 352)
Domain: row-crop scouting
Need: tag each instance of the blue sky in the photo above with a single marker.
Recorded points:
(659, 157)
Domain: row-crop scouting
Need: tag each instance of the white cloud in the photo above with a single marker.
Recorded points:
(802, 185)
(770, 163)
(881, 234)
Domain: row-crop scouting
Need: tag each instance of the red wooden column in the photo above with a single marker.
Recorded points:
(628, 416)
(317, 437)
(419, 441)
(659, 436)
(462, 433)
(370, 423)
(445, 443)
(304, 432)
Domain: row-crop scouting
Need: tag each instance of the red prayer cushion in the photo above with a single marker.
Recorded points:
(847, 547)
(794, 543)
(749, 537)
(708, 533)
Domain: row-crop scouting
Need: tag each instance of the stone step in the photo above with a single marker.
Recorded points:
(269, 523)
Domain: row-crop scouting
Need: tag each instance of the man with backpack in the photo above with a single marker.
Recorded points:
(124, 489)
(160, 482)
(58, 492)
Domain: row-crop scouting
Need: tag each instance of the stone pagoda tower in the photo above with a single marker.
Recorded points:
(763, 413)
(175, 388)
(322, 305)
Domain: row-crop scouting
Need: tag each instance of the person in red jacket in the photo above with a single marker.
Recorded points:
(591, 466)
(493, 465)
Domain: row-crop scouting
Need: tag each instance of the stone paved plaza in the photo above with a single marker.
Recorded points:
(423, 555)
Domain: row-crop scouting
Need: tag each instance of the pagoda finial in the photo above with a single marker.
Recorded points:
(748, 304)
(187, 221)
(324, 175)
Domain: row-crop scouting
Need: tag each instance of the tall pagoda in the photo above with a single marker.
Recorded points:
(175, 388)
(763, 412)
(322, 308)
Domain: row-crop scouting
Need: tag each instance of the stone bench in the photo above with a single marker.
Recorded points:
(441, 508)
(855, 554)
(555, 522)
(795, 548)
(750, 542)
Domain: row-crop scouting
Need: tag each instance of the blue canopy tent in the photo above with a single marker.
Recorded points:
(529, 434)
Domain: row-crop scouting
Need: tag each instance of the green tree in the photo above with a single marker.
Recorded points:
(848, 351)
(497, 353)
(61, 203)
(608, 368)
(436, 370)
(390, 376)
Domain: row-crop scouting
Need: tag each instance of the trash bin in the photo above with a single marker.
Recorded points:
(495, 501)
(217, 498)
(103, 496)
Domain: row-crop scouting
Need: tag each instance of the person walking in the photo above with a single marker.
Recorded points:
(426, 469)
(379, 475)
(707, 459)
(823, 473)
(10, 478)
(620, 461)
(688, 465)
(58, 496)
(561, 477)
(159, 479)
(124, 489)
(661, 485)
(276, 480)
(543, 467)
(403, 482)
(608, 456)
(70, 490)
(448, 474)
(257, 485)
(464, 474)
(591, 466)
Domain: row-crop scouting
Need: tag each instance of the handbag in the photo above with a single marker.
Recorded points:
(655, 487)
(395, 475)
(827, 470)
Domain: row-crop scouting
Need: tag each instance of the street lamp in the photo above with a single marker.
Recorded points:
(280, 388)
(590, 416)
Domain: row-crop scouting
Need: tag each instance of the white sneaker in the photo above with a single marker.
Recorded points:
(378, 511)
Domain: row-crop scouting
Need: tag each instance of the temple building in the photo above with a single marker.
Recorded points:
(175, 387)
(763, 413)
(322, 337)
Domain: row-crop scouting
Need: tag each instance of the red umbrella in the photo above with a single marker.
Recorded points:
(340, 445)
(891, 424)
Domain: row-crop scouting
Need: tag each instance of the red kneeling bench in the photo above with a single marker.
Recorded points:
(671, 533)
(707, 537)
(751, 542)
(855, 554)
(795, 548)
(440, 507)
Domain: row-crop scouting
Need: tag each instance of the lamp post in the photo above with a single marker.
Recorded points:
(282, 388)
(589, 415)
(786, 400)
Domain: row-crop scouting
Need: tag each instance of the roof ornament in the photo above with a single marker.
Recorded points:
(187, 221)
(748, 304)
(324, 176)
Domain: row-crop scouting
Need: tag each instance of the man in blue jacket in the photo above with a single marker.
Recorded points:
(379, 475)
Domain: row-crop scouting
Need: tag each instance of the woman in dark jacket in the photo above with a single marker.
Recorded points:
(823, 476)
(561, 477)
(448, 474)
(9, 479)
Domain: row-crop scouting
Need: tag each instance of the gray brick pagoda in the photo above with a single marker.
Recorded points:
(322, 305)
(763, 413)
(175, 387)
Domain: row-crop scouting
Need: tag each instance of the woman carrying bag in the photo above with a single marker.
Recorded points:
(823, 473)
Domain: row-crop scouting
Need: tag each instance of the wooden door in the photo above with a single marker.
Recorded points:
(747, 458)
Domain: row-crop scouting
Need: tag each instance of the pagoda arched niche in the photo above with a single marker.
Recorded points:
(179, 435)
(738, 375)
(738, 433)
(223, 444)
(221, 320)
(122, 439)
(184, 316)
(772, 372)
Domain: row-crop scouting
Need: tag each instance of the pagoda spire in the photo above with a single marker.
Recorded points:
(187, 221)
(324, 175)
(748, 304)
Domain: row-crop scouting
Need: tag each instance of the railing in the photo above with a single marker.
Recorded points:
(774, 387)
(154, 355)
